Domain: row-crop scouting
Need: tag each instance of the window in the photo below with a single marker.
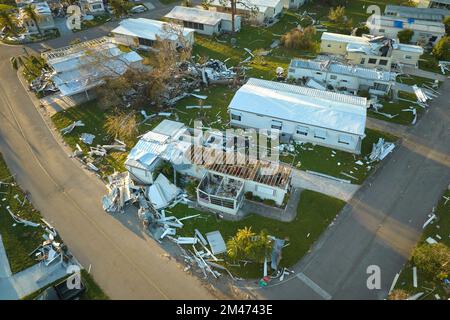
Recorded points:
(291, 70)
(146, 42)
(333, 77)
(372, 61)
(343, 80)
(408, 57)
(383, 62)
(276, 124)
(344, 139)
(380, 86)
(302, 130)
(381, 30)
(236, 117)
(329, 45)
(193, 25)
(319, 73)
(363, 60)
(320, 134)
(96, 6)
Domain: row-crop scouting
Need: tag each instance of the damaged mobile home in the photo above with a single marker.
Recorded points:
(371, 51)
(254, 11)
(79, 68)
(222, 183)
(338, 76)
(326, 118)
(142, 33)
(204, 21)
(426, 33)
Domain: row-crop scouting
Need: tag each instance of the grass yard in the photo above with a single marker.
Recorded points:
(441, 227)
(314, 213)
(18, 239)
(93, 291)
(335, 162)
(396, 107)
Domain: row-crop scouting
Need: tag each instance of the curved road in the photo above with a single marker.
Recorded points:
(126, 265)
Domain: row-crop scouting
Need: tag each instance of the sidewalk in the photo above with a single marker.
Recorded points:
(424, 74)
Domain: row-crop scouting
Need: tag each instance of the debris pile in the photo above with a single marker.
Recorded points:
(70, 128)
(380, 150)
(445, 66)
(211, 71)
(120, 188)
(43, 83)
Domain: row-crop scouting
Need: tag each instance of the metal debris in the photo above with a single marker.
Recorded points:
(20, 220)
(87, 138)
(380, 150)
(70, 128)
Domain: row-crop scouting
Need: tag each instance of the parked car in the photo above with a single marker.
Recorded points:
(138, 9)
(61, 291)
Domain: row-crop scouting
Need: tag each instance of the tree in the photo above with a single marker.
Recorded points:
(441, 49)
(433, 260)
(447, 25)
(31, 13)
(119, 7)
(246, 244)
(337, 14)
(8, 21)
(405, 35)
(300, 38)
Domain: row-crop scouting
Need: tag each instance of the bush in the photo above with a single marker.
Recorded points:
(191, 188)
(398, 294)
(447, 25)
(405, 36)
(337, 14)
(269, 202)
(248, 195)
(442, 49)
(432, 260)
(362, 30)
(300, 39)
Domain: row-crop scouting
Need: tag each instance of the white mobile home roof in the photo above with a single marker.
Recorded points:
(319, 108)
(247, 5)
(419, 13)
(340, 68)
(415, 24)
(149, 29)
(197, 15)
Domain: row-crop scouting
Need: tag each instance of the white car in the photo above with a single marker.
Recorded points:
(138, 9)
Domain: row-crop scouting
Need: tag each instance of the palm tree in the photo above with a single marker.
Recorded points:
(8, 21)
(30, 12)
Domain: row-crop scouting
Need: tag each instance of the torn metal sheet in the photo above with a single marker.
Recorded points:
(276, 253)
(70, 128)
(20, 220)
(87, 138)
(216, 242)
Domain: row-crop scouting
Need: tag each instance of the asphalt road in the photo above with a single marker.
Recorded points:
(125, 264)
(383, 221)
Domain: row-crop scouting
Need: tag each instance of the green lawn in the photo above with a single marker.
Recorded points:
(19, 240)
(441, 227)
(93, 291)
(314, 214)
(395, 108)
(334, 162)
(97, 21)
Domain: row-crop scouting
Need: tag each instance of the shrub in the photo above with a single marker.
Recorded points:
(442, 49)
(447, 25)
(362, 30)
(299, 38)
(405, 36)
(269, 202)
(248, 195)
(433, 260)
(191, 188)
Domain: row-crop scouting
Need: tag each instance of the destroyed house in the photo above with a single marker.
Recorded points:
(299, 113)
(425, 32)
(154, 147)
(224, 182)
(44, 18)
(338, 76)
(430, 14)
(254, 11)
(371, 51)
(204, 21)
(79, 68)
(143, 33)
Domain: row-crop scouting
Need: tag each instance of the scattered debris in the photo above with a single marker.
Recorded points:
(444, 65)
(276, 253)
(87, 138)
(119, 187)
(198, 107)
(20, 220)
(70, 128)
(432, 217)
(380, 150)
(414, 277)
